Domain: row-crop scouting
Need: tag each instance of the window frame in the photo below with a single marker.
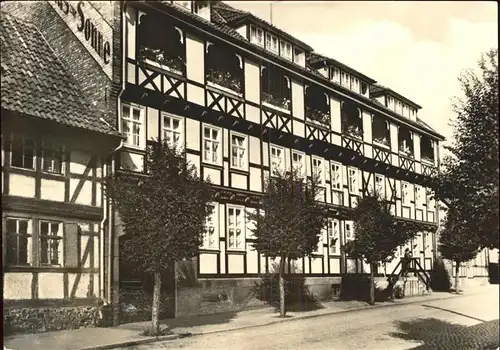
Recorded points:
(141, 122)
(420, 197)
(23, 155)
(246, 155)
(336, 186)
(29, 241)
(269, 41)
(405, 194)
(220, 141)
(332, 76)
(322, 168)
(182, 133)
(383, 193)
(235, 227)
(59, 237)
(254, 40)
(50, 147)
(331, 234)
(352, 190)
(213, 218)
(351, 230)
(282, 165)
(303, 164)
(282, 45)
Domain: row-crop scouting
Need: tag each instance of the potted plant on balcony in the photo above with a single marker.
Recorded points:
(157, 56)
(355, 130)
(281, 102)
(318, 115)
(224, 79)
(383, 140)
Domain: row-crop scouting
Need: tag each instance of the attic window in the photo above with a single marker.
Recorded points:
(286, 50)
(202, 9)
(271, 42)
(299, 57)
(184, 4)
(257, 36)
(335, 74)
(364, 88)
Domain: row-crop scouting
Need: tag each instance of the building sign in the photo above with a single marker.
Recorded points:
(90, 28)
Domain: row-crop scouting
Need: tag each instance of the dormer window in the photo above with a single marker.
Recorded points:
(202, 9)
(355, 84)
(405, 141)
(345, 80)
(299, 57)
(271, 43)
(285, 50)
(426, 149)
(184, 4)
(364, 89)
(335, 74)
(390, 102)
(350, 116)
(257, 36)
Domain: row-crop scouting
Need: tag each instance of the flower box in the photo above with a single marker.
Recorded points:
(224, 80)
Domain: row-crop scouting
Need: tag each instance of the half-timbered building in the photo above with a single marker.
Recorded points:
(243, 98)
(54, 151)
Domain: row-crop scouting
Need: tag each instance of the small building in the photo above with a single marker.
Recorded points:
(55, 152)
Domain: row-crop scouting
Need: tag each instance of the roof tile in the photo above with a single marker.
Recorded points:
(34, 82)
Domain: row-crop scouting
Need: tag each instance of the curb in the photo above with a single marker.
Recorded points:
(180, 335)
(134, 342)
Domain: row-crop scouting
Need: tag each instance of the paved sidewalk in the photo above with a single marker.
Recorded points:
(129, 334)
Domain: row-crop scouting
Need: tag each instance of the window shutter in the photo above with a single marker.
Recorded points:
(71, 244)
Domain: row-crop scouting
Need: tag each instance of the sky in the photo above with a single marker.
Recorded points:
(418, 49)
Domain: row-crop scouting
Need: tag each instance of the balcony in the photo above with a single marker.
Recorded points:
(351, 120)
(224, 69)
(380, 132)
(317, 106)
(275, 89)
(405, 142)
(161, 44)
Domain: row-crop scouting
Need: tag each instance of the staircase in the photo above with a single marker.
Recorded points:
(416, 282)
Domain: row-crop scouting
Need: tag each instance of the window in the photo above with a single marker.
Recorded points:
(132, 123)
(336, 176)
(431, 201)
(271, 42)
(18, 250)
(335, 74)
(257, 36)
(50, 243)
(211, 236)
(349, 231)
(355, 84)
(333, 236)
(399, 107)
(317, 169)
(419, 197)
(277, 159)
(212, 150)
(405, 193)
(319, 247)
(236, 228)
(299, 162)
(390, 102)
(345, 80)
(22, 152)
(172, 131)
(52, 158)
(299, 57)
(184, 4)
(239, 152)
(380, 185)
(286, 50)
(353, 181)
(364, 89)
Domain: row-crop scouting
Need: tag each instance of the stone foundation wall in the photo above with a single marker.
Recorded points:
(38, 320)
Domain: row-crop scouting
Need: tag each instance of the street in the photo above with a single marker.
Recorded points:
(465, 322)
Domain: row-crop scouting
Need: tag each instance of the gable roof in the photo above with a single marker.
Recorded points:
(235, 18)
(316, 60)
(34, 82)
(377, 90)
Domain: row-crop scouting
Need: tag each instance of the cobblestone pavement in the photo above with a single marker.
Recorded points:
(468, 322)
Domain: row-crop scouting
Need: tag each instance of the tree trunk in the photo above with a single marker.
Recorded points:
(457, 278)
(156, 302)
(372, 284)
(282, 287)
